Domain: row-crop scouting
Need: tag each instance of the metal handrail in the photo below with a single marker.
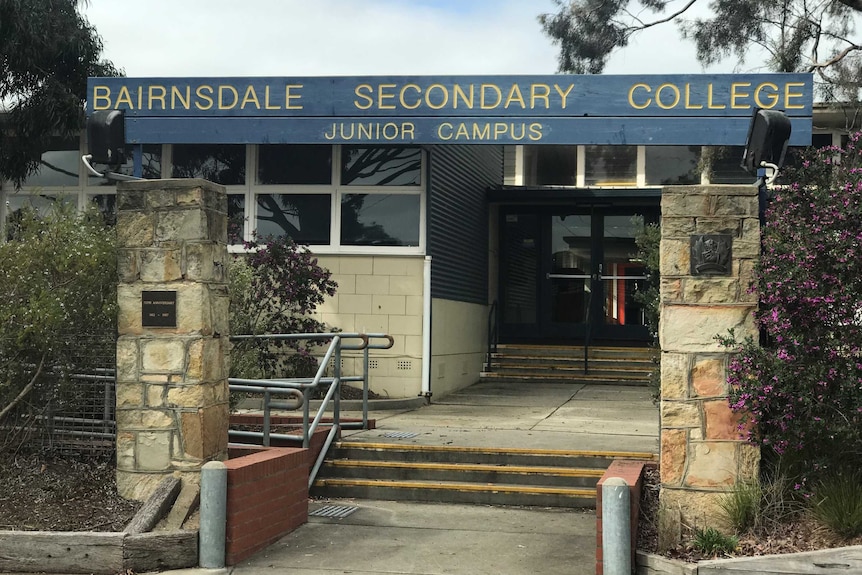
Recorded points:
(302, 388)
(493, 333)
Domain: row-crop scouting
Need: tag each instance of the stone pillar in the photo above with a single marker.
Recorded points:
(709, 246)
(172, 394)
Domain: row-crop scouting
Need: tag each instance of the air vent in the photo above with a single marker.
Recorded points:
(333, 511)
(373, 364)
(404, 364)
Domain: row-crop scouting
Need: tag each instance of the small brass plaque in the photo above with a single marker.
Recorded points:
(159, 309)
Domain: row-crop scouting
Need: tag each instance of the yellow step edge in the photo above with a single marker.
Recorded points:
(494, 487)
(566, 472)
(639, 455)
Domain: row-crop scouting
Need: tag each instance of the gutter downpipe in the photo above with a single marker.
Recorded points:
(426, 329)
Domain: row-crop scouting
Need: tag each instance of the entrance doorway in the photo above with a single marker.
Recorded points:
(570, 274)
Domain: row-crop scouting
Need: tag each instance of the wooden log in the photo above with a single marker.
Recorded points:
(156, 507)
(61, 552)
(161, 550)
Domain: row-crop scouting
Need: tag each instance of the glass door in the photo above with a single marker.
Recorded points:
(568, 274)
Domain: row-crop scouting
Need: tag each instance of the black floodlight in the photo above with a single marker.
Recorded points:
(106, 137)
(768, 135)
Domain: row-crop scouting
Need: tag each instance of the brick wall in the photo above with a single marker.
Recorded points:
(632, 473)
(267, 498)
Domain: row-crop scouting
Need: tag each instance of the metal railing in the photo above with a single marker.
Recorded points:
(301, 389)
(493, 334)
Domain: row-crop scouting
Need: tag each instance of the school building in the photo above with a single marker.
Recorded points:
(449, 209)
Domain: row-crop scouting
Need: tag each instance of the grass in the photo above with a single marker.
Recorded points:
(838, 504)
(713, 542)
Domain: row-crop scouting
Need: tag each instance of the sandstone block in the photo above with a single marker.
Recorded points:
(673, 456)
(713, 290)
(709, 377)
(674, 375)
(160, 265)
(692, 328)
(675, 257)
(153, 450)
(135, 229)
(711, 464)
(679, 414)
(162, 355)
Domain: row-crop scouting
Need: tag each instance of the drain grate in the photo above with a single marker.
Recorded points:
(335, 511)
(400, 434)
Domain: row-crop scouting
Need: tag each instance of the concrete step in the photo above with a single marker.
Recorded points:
(456, 492)
(456, 474)
(567, 370)
(636, 353)
(463, 472)
(527, 379)
(574, 360)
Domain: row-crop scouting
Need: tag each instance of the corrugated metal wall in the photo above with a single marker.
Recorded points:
(458, 219)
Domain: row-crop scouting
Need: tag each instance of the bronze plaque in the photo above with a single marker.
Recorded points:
(711, 255)
(159, 309)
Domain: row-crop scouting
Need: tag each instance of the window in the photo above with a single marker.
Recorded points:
(672, 165)
(59, 166)
(611, 165)
(220, 163)
(294, 164)
(380, 219)
(551, 165)
(151, 166)
(364, 166)
(306, 218)
(235, 218)
(725, 165)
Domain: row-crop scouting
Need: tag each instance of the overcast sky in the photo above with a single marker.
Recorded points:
(353, 37)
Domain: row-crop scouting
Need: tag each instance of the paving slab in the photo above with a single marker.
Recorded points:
(430, 539)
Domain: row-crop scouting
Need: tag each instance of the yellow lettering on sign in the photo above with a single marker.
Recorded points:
(416, 103)
(736, 94)
(459, 91)
(266, 101)
(481, 131)
(222, 92)
(204, 95)
(515, 96)
(250, 96)
(540, 92)
(155, 93)
(688, 104)
(288, 97)
(535, 131)
(444, 131)
(484, 102)
(662, 104)
(771, 95)
(383, 95)
(123, 98)
(443, 102)
(646, 101)
(176, 94)
(360, 93)
(101, 98)
(709, 102)
(788, 95)
(563, 94)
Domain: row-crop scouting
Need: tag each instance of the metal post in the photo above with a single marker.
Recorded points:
(213, 515)
(616, 527)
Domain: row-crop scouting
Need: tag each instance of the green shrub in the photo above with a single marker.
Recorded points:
(713, 542)
(742, 506)
(837, 504)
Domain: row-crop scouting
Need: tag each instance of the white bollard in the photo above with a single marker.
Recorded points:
(211, 540)
(616, 527)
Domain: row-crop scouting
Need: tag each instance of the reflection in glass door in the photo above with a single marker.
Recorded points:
(622, 274)
(571, 265)
(572, 274)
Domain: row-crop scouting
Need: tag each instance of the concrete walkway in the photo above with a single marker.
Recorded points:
(419, 538)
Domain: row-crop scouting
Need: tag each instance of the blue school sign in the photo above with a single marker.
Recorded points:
(560, 109)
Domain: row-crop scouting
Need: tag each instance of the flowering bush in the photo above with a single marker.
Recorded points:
(274, 289)
(800, 391)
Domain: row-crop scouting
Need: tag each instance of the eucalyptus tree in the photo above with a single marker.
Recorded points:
(815, 36)
(47, 51)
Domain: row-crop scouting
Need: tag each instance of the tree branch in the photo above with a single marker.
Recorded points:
(664, 20)
(835, 59)
(27, 389)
